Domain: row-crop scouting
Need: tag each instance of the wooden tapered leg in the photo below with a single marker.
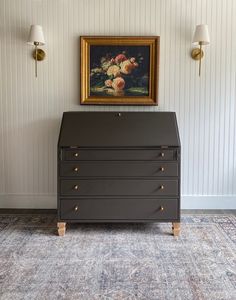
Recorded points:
(175, 229)
(61, 228)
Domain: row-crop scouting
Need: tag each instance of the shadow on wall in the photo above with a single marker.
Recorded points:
(31, 157)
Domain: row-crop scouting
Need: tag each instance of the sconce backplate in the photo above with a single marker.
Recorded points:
(197, 53)
(40, 54)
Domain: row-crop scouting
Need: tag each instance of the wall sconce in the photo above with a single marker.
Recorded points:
(201, 37)
(36, 38)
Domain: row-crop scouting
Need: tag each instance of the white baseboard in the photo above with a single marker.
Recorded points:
(48, 201)
(31, 201)
(208, 202)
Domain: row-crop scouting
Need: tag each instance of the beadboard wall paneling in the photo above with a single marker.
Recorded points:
(31, 109)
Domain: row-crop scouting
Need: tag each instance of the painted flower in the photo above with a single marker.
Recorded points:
(113, 70)
(106, 64)
(96, 70)
(103, 59)
(132, 59)
(118, 84)
(119, 58)
(126, 67)
(108, 83)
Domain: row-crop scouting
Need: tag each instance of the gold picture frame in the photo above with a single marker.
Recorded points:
(119, 70)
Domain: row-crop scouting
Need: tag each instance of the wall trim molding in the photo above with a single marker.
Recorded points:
(34, 201)
(208, 202)
(48, 201)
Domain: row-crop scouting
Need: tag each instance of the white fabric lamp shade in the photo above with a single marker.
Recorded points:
(36, 35)
(201, 35)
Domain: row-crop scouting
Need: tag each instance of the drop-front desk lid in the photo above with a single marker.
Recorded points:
(119, 129)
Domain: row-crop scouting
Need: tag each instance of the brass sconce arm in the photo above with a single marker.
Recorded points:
(38, 55)
(197, 54)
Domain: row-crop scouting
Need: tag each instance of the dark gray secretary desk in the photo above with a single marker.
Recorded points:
(119, 167)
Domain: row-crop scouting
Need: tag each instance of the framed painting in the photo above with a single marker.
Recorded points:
(119, 70)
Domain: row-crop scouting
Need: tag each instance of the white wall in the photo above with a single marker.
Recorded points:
(31, 109)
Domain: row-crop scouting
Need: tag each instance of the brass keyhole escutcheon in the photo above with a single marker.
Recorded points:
(76, 154)
(76, 208)
(76, 187)
(76, 169)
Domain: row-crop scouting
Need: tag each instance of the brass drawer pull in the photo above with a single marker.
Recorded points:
(161, 208)
(162, 169)
(162, 154)
(76, 154)
(76, 187)
(76, 169)
(162, 187)
(76, 208)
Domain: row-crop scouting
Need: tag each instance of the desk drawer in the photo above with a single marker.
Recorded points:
(119, 209)
(115, 154)
(119, 169)
(122, 187)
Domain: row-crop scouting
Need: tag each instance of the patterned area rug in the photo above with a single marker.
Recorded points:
(116, 262)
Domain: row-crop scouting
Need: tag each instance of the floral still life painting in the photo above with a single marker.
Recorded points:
(119, 70)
